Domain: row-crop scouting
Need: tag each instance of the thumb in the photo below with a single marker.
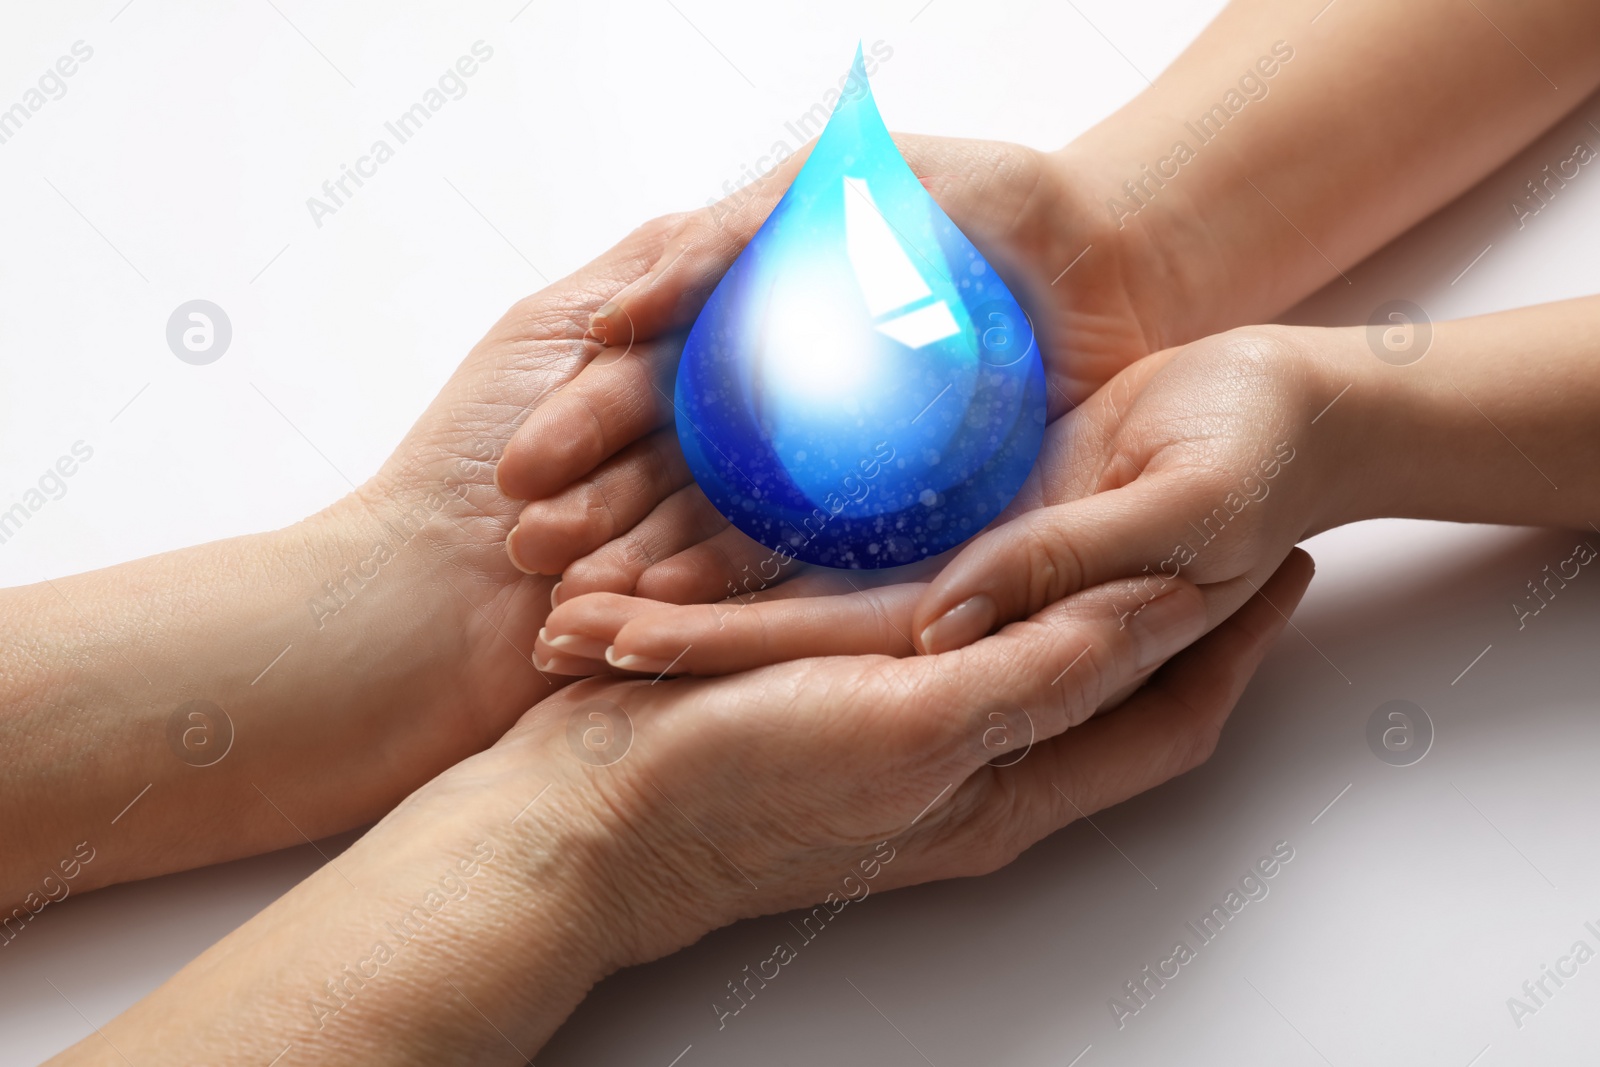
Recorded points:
(1016, 569)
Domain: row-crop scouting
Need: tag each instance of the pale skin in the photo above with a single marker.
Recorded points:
(398, 697)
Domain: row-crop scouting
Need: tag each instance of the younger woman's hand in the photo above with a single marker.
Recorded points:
(1203, 463)
(1196, 463)
(817, 614)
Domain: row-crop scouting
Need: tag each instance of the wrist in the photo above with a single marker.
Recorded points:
(1160, 253)
(457, 929)
(529, 922)
(625, 897)
(1351, 431)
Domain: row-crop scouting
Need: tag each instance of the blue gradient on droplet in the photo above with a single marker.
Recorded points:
(861, 390)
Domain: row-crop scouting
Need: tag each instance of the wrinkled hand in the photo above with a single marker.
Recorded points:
(436, 493)
(613, 508)
(717, 799)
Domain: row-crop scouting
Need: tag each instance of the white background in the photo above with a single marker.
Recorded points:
(177, 166)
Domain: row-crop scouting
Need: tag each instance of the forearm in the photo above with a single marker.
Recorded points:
(458, 930)
(1275, 153)
(216, 701)
(1499, 421)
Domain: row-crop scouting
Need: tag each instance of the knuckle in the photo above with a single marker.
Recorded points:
(1198, 741)
(1053, 566)
(595, 441)
(655, 473)
(570, 441)
(599, 518)
(923, 713)
(663, 224)
(633, 554)
(1000, 828)
(1085, 684)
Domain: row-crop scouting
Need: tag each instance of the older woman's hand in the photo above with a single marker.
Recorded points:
(611, 494)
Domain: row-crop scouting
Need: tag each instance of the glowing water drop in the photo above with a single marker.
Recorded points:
(861, 390)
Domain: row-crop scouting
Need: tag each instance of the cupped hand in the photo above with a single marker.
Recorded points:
(1203, 463)
(1191, 464)
(611, 497)
(825, 779)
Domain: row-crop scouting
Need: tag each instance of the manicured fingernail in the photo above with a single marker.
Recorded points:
(568, 665)
(1166, 626)
(576, 645)
(555, 596)
(961, 625)
(641, 664)
(511, 551)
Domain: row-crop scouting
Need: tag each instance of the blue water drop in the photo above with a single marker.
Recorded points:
(861, 390)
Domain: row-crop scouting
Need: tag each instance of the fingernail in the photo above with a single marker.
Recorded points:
(1166, 626)
(599, 322)
(553, 664)
(576, 645)
(961, 625)
(511, 551)
(555, 596)
(642, 664)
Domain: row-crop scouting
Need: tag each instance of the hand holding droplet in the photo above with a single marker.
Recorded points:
(1218, 424)
(1021, 206)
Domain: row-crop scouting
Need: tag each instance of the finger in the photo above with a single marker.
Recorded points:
(737, 636)
(565, 307)
(538, 344)
(586, 626)
(728, 563)
(1222, 600)
(731, 564)
(683, 519)
(1169, 727)
(553, 532)
(694, 257)
(1015, 569)
(610, 404)
(552, 662)
(1055, 668)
